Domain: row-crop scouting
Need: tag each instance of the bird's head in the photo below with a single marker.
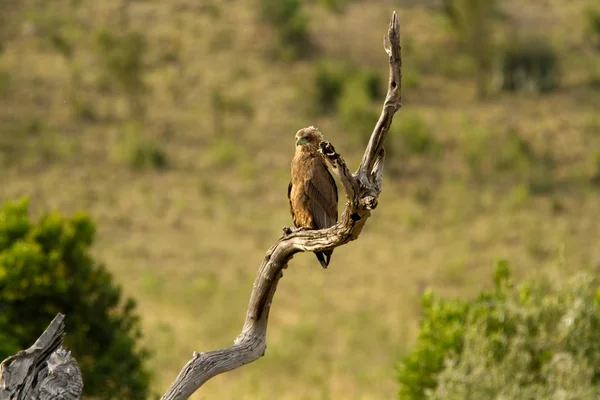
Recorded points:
(308, 139)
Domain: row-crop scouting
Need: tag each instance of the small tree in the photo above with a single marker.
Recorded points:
(472, 21)
(534, 341)
(46, 268)
(291, 23)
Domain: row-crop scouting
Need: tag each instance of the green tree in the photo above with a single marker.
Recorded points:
(291, 23)
(473, 22)
(537, 340)
(46, 268)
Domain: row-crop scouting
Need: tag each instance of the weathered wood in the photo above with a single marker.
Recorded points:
(45, 371)
(362, 191)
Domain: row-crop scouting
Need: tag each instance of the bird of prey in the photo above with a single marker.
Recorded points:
(312, 191)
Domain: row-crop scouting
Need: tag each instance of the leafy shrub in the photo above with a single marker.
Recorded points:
(146, 154)
(412, 135)
(530, 64)
(508, 158)
(515, 153)
(355, 112)
(541, 177)
(592, 17)
(334, 79)
(224, 152)
(410, 79)
(535, 340)
(329, 84)
(472, 22)
(138, 152)
(122, 56)
(596, 173)
(46, 268)
(292, 26)
(226, 109)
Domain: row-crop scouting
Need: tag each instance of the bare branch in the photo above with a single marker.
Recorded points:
(362, 191)
(44, 371)
(393, 99)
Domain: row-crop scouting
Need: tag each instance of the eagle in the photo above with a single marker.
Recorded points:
(312, 191)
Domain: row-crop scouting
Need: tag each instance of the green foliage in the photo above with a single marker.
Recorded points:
(592, 17)
(226, 109)
(508, 158)
(138, 152)
(410, 79)
(535, 340)
(329, 84)
(64, 33)
(122, 56)
(472, 22)
(46, 268)
(530, 64)
(291, 23)
(410, 135)
(224, 152)
(516, 153)
(355, 111)
(441, 332)
(596, 166)
(336, 6)
(335, 79)
(62, 45)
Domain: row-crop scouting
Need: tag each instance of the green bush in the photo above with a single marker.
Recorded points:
(329, 84)
(411, 135)
(355, 112)
(592, 17)
(46, 268)
(336, 6)
(530, 64)
(472, 21)
(596, 165)
(122, 56)
(139, 152)
(334, 79)
(508, 158)
(291, 23)
(537, 340)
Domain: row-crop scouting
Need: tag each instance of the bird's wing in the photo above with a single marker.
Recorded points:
(321, 190)
(289, 194)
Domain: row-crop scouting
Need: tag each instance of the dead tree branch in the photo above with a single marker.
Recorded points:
(362, 191)
(45, 371)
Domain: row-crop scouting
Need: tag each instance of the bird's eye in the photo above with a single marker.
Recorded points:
(302, 140)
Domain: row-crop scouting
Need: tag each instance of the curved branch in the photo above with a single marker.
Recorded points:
(362, 191)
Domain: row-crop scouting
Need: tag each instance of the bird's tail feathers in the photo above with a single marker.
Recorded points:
(324, 257)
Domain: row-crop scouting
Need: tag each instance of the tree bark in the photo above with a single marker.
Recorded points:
(362, 191)
(45, 371)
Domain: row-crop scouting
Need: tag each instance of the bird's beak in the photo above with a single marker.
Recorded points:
(301, 140)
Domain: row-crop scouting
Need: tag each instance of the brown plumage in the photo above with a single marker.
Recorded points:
(312, 190)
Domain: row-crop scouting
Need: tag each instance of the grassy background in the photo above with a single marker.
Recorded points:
(206, 164)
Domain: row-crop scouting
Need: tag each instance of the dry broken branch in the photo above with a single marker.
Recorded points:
(45, 371)
(362, 191)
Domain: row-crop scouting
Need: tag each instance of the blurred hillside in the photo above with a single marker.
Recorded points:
(172, 124)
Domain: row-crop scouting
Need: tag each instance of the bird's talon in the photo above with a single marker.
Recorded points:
(327, 149)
